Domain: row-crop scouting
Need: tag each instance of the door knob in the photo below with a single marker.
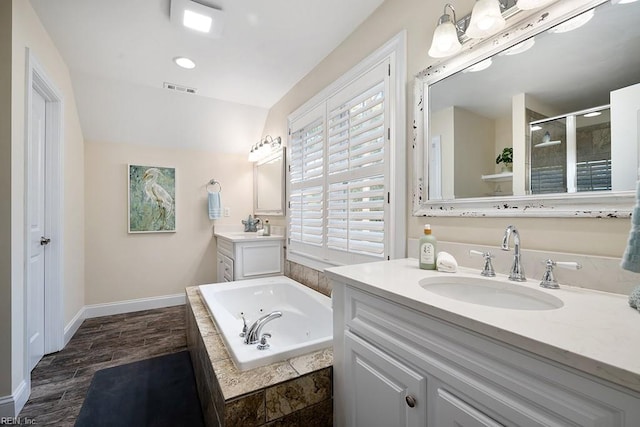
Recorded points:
(411, 401)
(44, 241)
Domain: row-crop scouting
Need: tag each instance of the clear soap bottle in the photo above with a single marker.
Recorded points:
(266, 230)
(427, 249)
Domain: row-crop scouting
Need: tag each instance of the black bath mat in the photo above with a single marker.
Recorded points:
(155, 392)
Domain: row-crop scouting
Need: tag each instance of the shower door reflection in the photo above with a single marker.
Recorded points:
(571, 153)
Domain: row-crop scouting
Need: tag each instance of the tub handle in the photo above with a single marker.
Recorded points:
(263, 341)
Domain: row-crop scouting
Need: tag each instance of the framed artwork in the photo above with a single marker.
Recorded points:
(152, 199)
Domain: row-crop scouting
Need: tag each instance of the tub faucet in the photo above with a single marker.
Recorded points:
(517, 272)
(253, 335)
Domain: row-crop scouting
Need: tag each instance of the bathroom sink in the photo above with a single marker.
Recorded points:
(490, 292)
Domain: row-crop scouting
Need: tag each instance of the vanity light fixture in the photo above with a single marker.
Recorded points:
(183, 62)
(205, 20)
(532, 4)
(486, 19)
(535, 128)
(519, 48)
(264, 147)
(573, 23)
(482, 65)
(445, 37)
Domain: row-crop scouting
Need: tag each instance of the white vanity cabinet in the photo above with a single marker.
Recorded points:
(248, 256)
(397, 366)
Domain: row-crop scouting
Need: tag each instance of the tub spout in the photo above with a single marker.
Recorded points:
(253, 335)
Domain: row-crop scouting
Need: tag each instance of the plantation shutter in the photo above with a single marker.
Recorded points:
(306, 177)
(339, 175)
(357, 122)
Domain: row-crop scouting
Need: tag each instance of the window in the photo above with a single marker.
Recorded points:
(341, 154)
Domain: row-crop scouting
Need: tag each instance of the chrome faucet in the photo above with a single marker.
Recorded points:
(253, 334)
(517, 272)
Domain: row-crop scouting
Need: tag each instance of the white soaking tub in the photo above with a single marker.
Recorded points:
(306, 324)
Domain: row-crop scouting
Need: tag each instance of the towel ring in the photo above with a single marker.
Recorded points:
(213, 183)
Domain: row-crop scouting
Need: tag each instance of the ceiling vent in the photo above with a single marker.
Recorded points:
(180, 88)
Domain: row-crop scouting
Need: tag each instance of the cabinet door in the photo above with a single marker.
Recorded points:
(381, 390)
(453, 412)
(225, 269)
(220, 269)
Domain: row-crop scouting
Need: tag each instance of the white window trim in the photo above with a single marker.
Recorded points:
(395, 51)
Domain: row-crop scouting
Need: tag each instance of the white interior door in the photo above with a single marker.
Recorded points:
(37, 232)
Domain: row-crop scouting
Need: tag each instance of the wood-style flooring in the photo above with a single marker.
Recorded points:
(60, 381)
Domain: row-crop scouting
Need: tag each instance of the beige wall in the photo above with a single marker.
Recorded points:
(122, 266)
(590, 236)
(27, 31)
(5, 198)
(474, 142)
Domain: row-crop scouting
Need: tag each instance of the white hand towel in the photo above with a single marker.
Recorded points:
(215, 205)
(446, 263)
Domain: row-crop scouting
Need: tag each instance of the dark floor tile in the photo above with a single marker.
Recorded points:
(60, 381)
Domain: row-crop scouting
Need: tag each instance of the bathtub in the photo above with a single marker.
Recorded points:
(306, 324)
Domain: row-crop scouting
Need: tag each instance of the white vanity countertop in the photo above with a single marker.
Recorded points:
(242, 236)
(595, 332)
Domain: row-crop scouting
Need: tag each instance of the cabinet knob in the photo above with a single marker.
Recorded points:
(411, 401)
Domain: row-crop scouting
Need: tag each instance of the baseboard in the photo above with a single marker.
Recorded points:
(10, 406)
(129, 306)
(75, 323)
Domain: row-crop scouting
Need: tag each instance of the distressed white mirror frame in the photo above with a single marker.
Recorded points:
(521, 25)
(269, 184)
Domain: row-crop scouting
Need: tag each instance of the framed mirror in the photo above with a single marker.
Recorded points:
(560, 87)
(268, 184)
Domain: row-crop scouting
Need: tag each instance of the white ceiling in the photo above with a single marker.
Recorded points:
(265, 49)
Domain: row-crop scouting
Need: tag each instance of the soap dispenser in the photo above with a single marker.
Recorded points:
(427, 249)
(266, 229)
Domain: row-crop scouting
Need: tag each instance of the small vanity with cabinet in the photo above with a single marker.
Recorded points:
(406, 354)
(248, 255)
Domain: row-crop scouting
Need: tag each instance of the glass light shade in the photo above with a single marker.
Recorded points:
(445, 41)
(573, 23)
(486, 19)
(532, 4)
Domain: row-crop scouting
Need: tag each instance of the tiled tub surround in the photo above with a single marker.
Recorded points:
(309, 277)
(295, 392)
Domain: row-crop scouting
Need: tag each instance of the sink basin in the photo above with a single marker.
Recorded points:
(489, 292)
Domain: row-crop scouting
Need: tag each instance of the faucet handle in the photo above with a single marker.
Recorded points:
(487, 269)
(244, 327)
(571, 265)
(263, 341)
(548, 279)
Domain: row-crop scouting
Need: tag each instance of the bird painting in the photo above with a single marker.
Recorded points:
(151, 199)
(159, 195)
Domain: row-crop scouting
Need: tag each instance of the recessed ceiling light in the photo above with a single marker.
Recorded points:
(197, 21)
(592, 114)
(183, 62)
